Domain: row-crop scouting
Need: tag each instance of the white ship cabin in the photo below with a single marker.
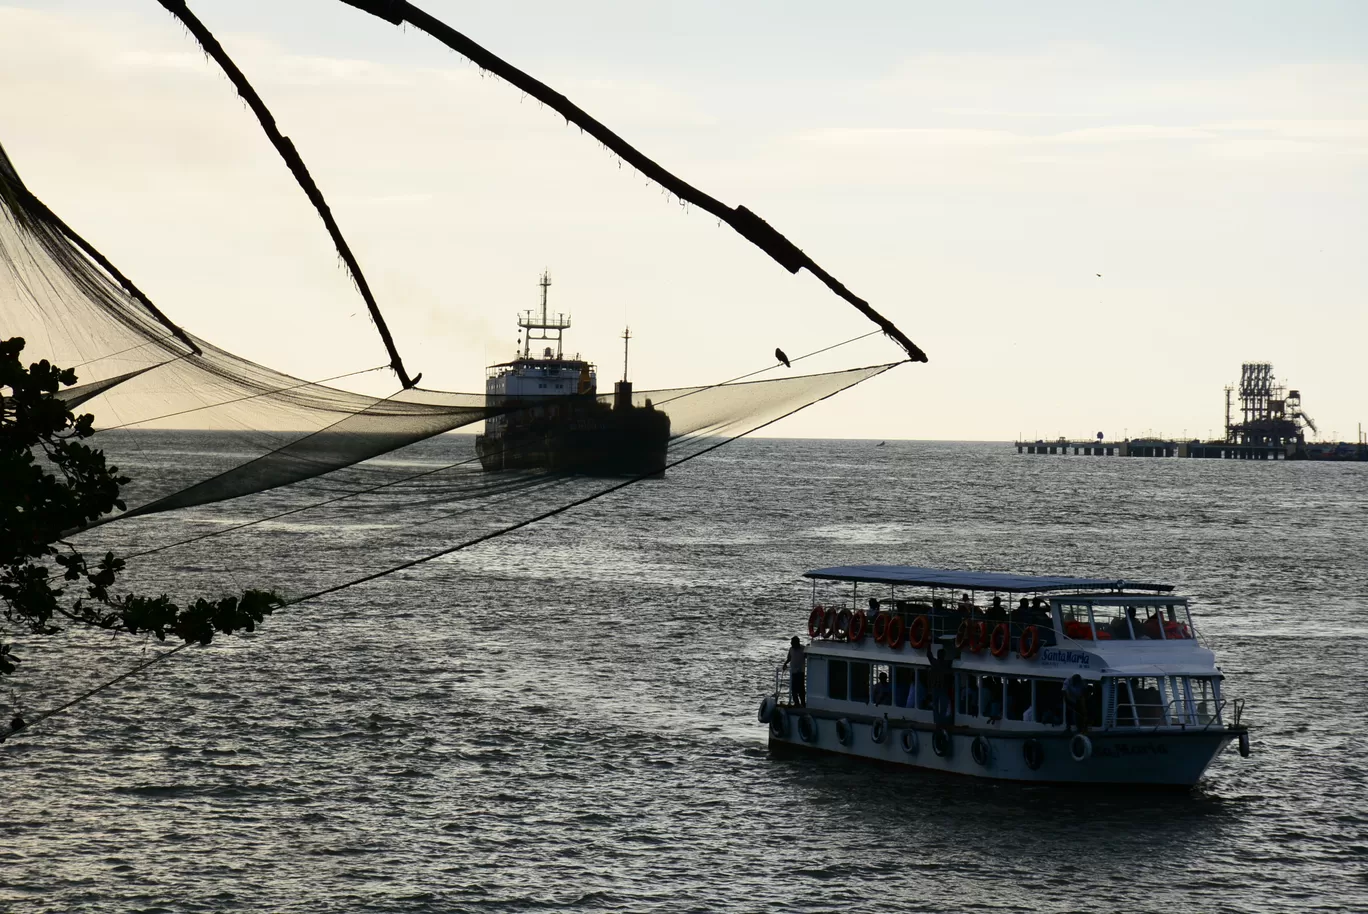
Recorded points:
(1013, 644)
(533, 378)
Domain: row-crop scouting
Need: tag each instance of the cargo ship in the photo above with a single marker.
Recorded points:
(550, 416)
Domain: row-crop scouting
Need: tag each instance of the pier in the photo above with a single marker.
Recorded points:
(1154, 447)
(1272, 426)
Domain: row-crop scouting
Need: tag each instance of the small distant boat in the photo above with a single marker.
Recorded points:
(1085, 681)
(881, 444)
(551, 417)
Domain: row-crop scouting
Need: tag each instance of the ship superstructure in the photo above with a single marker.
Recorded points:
(551, 417)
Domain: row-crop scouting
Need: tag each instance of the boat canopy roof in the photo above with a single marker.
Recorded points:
(971, 580)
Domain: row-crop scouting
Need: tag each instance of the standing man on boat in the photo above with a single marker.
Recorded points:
(942, 678)
(796, 664)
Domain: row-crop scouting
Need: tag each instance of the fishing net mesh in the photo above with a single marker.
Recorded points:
(138, 371)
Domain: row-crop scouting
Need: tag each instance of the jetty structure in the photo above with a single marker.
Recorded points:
(1271, 426)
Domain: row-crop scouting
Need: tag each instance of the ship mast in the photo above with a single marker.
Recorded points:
(547, 326)
(626, 336)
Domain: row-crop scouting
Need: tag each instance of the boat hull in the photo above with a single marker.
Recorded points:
(590, 439)
(1163, 759)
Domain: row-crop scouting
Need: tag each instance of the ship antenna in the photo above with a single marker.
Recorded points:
(545, 284)
(626, 336)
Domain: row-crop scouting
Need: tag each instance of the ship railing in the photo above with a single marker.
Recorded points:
(779, 688)
(1178, 712)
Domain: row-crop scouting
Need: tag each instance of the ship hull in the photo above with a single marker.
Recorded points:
(589, 439)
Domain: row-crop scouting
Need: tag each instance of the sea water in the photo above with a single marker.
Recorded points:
(564, 717)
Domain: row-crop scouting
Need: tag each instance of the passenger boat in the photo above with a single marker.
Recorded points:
(548, 415)
(1019, 678)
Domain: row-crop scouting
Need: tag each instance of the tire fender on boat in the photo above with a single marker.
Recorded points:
(878, 731)
(1245, 751)
(844, 731)
(807, 728)
(1080, 748)
(981, 751)
(910, 743)
(941, 743)
(778, 724)
(1034, 753)
(768, 705)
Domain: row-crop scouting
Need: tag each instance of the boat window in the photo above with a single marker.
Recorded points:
(1076, 622)
(1049, 702)
(1204, 699)
(1118, 623)
(905, 686)
(837, 681)
(1182, 695)
(859, 681)
(883, 685)
(1019, 697)
(967, 690)
(991, 692)
(1139, 702)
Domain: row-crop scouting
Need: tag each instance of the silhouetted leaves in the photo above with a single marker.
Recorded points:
(53, 485)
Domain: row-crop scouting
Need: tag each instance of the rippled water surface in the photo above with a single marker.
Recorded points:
(565, 717)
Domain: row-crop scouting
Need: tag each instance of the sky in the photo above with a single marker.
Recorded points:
(968, 168)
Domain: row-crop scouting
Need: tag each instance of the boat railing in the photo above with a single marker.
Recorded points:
(1178, 712)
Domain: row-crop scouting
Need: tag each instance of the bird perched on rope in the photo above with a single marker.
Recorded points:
(779, 354)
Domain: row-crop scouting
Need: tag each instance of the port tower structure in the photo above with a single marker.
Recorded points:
(1270, 414)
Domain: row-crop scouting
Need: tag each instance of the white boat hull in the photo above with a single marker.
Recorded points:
(1170, 758)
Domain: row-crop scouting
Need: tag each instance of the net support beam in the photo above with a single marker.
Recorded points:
(749, 225)
(296, 165)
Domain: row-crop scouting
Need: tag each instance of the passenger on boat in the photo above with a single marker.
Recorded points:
(966, 605)
(1075, 696)
(883, 692)
(1151, 628)
(941, 683)
(1120, 628)
(873, 610)
(794, 663)
(995, 612)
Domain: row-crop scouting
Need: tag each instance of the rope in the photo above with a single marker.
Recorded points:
(404, 566)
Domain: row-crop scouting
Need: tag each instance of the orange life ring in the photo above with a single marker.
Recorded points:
(856, 632)
(815, 621)
(829, 623)
(894, 636)
(843, 622)
(920, 633)
(978, 637)
(880, 627)
(1029, 643)
(962, 634)
(1002, 639)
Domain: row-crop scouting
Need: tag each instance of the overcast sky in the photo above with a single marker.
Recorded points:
(969, 168)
